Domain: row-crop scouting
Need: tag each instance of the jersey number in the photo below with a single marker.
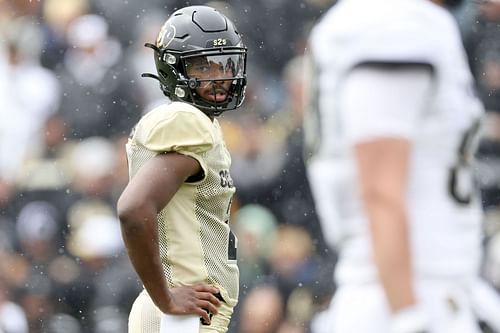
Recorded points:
(460, 180)
(225, 179)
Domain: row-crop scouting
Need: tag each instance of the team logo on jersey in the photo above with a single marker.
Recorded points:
(225, 179)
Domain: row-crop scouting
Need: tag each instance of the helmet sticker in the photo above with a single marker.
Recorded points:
(220, 42)
(166, 35)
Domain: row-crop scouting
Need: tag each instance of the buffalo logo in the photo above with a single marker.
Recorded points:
(166, 35)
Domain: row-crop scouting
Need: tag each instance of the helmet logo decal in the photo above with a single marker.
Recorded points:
(166, 35)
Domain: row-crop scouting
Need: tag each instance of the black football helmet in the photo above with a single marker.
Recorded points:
(199, 32)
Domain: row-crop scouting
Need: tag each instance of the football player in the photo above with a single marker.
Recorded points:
(391, 135)
(174, 212)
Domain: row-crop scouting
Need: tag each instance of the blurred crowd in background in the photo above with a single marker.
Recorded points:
(70, 91)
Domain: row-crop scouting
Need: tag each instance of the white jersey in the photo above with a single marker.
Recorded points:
(444, 216)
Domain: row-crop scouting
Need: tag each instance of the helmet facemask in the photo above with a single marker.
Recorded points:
(215, 80)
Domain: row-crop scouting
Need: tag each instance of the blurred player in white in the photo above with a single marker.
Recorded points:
(391, 134)
(174, 212)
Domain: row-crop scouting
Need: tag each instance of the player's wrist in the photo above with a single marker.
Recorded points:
(411, 319)
(164, 301)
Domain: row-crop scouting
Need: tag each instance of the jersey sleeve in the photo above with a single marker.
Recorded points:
(377, 103)
(182, 130)
(393, 35)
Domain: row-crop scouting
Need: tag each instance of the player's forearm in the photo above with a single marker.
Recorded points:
(391, 250)
(139, 231)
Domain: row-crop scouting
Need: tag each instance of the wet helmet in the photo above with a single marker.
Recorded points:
(200, 33)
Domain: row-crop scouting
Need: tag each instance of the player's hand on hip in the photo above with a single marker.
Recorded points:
(199, 300)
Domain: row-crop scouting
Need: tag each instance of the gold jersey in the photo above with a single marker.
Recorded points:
(196, 244)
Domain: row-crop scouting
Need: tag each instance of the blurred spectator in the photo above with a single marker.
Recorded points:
(482, 41)
(63, 323)
(268, 164)
(98, 98)
(95, 239)
(264, 23)
(12, 316)
(257, 159)
(256, 318)
(290, 194)
(57, 15)
(98, 155)
(298, 284)
(256, 228)
(483, 47)
(29, 94)
(46, 165)
(140, 60)
(293, 261)
(25, 8)
(105, 288)
(36, 300)
(120, 14)
(38, 228)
